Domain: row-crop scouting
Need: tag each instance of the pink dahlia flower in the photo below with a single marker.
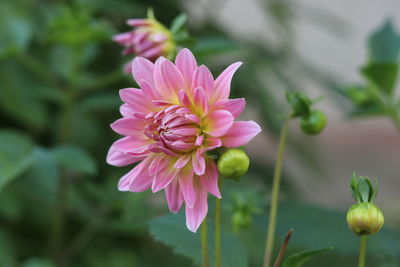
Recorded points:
(169, 124)
(150, 39)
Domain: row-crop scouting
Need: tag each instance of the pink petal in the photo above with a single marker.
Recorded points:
(185, 178)
(198, 162)
(196, 214)
(129, 126)
(117, 158)
(200, 101)
(132, 145)
(155, 164)
(138, 179)
(193, 118)
(138, 22)
(240, 133)
(168, 79)
(218, 123)
(174, 196)
(199, 140)
(136, 100)
(123, 38)
(234, 106)
(142, 69)
(184, 99)
(186, 63)
(182, 161)
(153, 52)
(210, 178)
(126, 110)
(204, 79)
(182, 146)
(213, 143)
(165, 176)
(222, 85)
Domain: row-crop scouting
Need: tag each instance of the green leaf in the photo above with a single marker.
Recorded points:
(384, 44)
(37, 262)
(178, 23)
(214, 45)
(40, 180)
(171, 230)
(298, 259)
(20, 95)
(75, 159)
(7, 249)
(16, 155)
(15, 30)
(382, 75)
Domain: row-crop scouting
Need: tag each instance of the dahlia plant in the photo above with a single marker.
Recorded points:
(179, 114)
(149, 39)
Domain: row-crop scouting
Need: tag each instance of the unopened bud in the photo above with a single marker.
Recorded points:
(365, 219)
(314, 123)
(233, 163)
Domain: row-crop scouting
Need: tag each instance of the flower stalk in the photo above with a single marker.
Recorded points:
(275, 194)
(218, 262)
(363, 248)
(204, 244)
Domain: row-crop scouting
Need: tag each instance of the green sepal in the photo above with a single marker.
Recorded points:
(300, 103)
(178, 23)
(362, 189)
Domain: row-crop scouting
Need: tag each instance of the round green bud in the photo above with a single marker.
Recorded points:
(241, 220)
(233, 163)
(365, 218)
(313, 123)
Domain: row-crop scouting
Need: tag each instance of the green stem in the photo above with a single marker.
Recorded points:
(218, 227)
(275, 194)
(57, 230)
(363, 247)
(204, 244)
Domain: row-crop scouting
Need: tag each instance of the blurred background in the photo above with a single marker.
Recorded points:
(59, 79)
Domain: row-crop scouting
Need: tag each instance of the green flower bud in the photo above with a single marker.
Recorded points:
(233, 163)
(314, 123)
(241, 220)
(365, 218)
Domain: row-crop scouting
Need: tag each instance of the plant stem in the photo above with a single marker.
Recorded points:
(363, 246)
(275, 194)
(218, 227)
(204, 244)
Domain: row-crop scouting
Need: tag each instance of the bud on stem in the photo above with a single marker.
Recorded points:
(233, 163)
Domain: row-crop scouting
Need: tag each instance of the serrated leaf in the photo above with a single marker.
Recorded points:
(384, 43)
(16, 155)
(178, 23)
(171, 230)
(298, 259)
(382, 75)
(75, 159)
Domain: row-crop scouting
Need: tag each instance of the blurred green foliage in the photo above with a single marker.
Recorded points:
(60, 74)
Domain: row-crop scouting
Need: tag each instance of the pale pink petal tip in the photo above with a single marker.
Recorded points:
(240, 133)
